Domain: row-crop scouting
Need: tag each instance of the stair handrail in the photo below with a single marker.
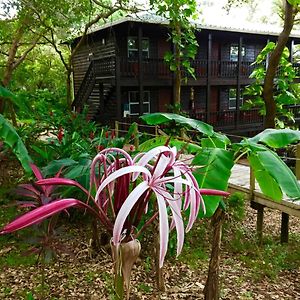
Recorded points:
(87, 81)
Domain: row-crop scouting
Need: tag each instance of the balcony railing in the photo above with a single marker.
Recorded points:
(157, 68)
(230, 118)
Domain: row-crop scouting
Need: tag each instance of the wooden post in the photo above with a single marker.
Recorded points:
(140, 75)
(298, 162)
(136, 136)
(260, 222)
(258, 207)
(118, 88)
(238, 83)
(117, 128)
(252, 185)
(284, 237)
(156, 130)
(208, 77)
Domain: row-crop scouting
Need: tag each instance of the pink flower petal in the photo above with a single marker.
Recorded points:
(125, 209)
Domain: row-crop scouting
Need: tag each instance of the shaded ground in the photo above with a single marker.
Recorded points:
(248, 271)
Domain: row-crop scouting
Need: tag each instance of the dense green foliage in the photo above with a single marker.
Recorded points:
(286, 92)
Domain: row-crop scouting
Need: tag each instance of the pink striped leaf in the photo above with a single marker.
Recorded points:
(41, 213)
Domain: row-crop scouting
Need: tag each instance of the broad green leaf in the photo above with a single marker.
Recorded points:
(161, 118)
(188, 147)
(280, 172)
(162, 140)
(10, 137)
(16, 100)
(54, 166)
(214, 170)
(266, 182)
(152, 143)
(277, 138)
(212, 143)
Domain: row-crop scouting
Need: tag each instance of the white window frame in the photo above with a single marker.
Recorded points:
(133, 96)
(235, 57)
(233, 99)
(147, 51)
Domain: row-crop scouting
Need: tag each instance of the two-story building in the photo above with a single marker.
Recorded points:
(124, 60)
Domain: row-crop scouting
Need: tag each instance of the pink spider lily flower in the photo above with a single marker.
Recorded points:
(157, 172)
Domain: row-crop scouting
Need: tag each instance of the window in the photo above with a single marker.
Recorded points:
(232, 99)
(133, 49)
(234, 52)
(134, 105)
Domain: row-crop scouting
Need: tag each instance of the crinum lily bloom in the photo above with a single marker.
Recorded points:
(157, 172)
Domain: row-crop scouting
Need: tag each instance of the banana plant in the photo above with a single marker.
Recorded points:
(11, 138)
(127, 195)
(215, 156)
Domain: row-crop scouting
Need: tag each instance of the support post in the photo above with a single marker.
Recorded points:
(284, 236)
(118, 89)
(298, 161)
(140, 64)
(117, 128)
(208, 77)
(260, 222)
(260, 219)
(238, 82)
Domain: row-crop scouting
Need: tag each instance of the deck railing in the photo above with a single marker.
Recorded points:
(157, 68)
(230, 118)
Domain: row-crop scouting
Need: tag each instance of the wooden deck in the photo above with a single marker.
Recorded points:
(240, 181)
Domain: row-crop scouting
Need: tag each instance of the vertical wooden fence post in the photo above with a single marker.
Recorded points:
(298, 161)
(136, 136)
(117, 128)
(259, 208)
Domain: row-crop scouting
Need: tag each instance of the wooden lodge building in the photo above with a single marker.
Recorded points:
(122, 60)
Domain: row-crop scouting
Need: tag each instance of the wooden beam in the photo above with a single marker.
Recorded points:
(140, 64)
(208, 77)
(238, 82)
(118, 88)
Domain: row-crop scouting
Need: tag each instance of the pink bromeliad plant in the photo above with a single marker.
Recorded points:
(125, 189)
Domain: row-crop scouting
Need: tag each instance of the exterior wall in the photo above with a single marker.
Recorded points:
(164, 99)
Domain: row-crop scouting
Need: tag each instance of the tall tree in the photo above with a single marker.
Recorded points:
(181, 15)
(18, 37)
(292, 7)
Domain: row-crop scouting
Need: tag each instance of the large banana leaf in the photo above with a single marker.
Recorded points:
(269, 163)
(214, 170)
(267, 183)
(161, 118)
(277, 138)
(10, 137)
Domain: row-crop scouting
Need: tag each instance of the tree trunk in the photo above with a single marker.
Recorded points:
(211, 290)
(69, 88)
(273, 65)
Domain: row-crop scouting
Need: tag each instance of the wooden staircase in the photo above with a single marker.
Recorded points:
(96, 85)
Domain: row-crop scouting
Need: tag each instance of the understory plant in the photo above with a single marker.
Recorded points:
(126, 195)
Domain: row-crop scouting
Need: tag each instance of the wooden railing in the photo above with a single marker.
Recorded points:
(230, 118)
(157, 68)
